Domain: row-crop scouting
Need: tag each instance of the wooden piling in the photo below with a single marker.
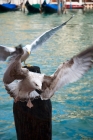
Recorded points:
(34, 123)
(59, 8)
(63, 10)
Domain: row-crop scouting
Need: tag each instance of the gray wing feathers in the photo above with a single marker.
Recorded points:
(14, 70)
(5, 52)
(45, 36)
(74, 69)
(16, 55)
(69, 72)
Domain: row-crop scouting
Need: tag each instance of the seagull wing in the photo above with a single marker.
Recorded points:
(45, 36)
(69, 72)
(14, 70)
(5, 52)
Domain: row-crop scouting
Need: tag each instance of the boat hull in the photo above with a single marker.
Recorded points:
(53, 8)
(8, 7)
(50, 8)
(35, 8)
(68, 6)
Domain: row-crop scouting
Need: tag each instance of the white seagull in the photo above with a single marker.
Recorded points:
(66, 73)
(6, 51)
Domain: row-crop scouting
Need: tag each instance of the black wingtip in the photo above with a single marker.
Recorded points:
(88, 50)
(69, 19)
(19, 48)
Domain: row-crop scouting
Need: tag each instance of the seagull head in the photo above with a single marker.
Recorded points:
(36, 80)
(28, 49)
(37, 84)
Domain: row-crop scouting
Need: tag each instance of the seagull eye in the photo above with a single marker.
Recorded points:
(36, 84)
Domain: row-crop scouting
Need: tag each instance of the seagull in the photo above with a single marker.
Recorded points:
(67, 72)
(7, 51)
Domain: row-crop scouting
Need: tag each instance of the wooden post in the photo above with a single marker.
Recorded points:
(40, 7)
(23, 6)
(34, 123)
(63, 6)
(59, 9)
(84, 6)
(70, 4)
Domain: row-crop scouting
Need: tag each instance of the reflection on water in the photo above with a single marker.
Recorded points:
(72, 114)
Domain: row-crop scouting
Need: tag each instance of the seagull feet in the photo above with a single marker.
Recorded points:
(28, 65)
(29, 104)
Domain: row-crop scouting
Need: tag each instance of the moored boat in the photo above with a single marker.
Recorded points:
(34, 8)
(8, 7)
(51, 7)
(73, 5)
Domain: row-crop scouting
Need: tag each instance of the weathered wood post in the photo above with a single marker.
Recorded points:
(84, 6)
(59, 8)
(34, 123)
(40, 7)
(23, 6)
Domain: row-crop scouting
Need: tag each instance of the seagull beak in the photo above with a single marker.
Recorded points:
(29, 52)
(40, 90)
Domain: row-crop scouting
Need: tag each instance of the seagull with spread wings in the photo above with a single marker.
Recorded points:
(66, 73)
(7, 51)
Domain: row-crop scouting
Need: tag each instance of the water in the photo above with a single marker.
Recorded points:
(72, 105)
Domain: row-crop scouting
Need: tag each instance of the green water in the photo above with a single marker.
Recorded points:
(72, 105)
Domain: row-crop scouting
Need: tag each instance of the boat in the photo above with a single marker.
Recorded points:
(50, 7)
(34, 8)
(53, 6)
(73, 5)
(8, 7)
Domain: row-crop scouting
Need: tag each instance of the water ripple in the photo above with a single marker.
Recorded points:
(72, 105)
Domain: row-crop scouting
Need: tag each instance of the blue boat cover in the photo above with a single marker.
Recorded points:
(10, 6)
(53, 6)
